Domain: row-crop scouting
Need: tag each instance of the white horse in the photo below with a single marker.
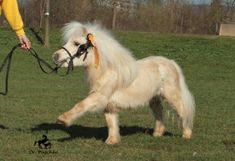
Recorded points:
(118, 81)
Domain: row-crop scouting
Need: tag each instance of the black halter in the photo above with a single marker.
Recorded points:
(82, 49)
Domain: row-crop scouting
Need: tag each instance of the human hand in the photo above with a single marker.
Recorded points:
(24, 41)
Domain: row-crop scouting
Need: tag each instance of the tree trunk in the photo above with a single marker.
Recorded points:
(42, 5)
(47, 14)
(114, 17)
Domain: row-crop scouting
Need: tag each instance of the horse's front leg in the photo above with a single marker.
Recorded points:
(113, 128)
(93, 102)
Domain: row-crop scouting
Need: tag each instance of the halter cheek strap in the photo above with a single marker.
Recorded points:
(67, 51)
(70, 65)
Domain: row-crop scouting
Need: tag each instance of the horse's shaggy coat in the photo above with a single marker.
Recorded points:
(121, 82)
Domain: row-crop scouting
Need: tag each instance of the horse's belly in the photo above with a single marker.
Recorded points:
(141, 91)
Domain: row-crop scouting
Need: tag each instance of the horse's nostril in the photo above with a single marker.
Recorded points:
(56, 57)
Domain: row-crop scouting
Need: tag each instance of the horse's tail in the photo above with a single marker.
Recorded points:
(188, 110)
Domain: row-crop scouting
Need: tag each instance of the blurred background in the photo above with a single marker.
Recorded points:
(173, 16)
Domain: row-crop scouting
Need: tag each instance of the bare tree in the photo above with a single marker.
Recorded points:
(216, 14)
(116, 8)
(147, 15)
(41, 12)
(230, 10)
(47, 23)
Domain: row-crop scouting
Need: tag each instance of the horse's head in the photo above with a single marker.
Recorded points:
(79, 47)
(91, 45)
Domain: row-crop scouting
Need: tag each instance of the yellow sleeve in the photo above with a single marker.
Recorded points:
(12, 14)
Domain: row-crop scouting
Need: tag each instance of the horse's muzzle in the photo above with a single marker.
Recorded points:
(55, 57)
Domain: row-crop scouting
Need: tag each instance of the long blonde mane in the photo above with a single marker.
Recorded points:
(112, 54)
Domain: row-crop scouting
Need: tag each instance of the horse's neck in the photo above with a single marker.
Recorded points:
(93, 74)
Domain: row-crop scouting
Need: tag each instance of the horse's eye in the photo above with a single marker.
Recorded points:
(76, 43)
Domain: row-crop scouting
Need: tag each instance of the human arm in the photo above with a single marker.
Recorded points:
(12, 14)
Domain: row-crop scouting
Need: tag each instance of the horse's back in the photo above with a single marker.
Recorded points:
(157, 60)
(167, 69)
(152, 72)
(145, 86)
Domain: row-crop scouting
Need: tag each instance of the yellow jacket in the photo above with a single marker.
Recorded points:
(12, 14)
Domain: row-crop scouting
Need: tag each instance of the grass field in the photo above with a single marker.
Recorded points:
(35, 100)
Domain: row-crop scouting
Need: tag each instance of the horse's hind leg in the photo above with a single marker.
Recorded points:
(173, 97)
(156, 106)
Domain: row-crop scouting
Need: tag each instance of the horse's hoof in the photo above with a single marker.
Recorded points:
(113, 141)
(187, 134)
(156, 134)
(159, 132)
(62, 122)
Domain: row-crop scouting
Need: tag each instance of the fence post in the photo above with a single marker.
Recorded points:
(47, 15)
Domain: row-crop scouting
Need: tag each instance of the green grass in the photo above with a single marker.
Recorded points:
(35, 100)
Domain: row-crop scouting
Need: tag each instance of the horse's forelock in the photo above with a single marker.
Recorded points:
(73, 29)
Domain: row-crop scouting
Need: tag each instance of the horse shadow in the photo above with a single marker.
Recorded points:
(99, 133)
(3, 127)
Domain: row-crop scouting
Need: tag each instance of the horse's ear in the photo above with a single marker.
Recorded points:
(91, 39)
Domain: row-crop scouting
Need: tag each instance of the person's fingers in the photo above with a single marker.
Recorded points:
(25, 43)
(23, 46)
